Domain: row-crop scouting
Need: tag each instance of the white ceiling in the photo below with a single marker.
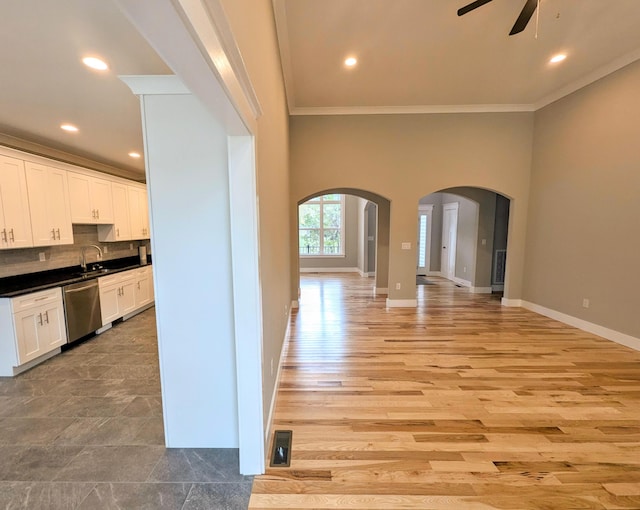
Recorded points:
(43, 82)
(418, 55)
(414, 55)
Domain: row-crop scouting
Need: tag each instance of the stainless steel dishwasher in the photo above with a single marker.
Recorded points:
(82, 308)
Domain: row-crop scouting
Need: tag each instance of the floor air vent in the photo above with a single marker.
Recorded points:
(281, 453)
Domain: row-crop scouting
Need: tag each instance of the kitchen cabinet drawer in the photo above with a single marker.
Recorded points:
(43, 297)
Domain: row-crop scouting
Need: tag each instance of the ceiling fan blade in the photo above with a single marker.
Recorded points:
(525, 15)
(472, 6)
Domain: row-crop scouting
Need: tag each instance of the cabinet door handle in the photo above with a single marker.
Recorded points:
(98, 213)
(12, 237)
(40, 319)
(46, 316)
(117, 232)
(138, 285)
(93, 213)
(4, 235)
(53, 233)
(58, 231)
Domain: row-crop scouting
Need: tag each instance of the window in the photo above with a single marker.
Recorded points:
(321, 226)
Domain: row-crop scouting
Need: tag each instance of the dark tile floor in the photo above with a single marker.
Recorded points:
(84, 431)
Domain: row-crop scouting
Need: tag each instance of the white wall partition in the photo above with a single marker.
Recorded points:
(187, 179)
(201, 168)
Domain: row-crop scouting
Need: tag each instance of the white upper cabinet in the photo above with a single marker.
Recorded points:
(120, 230)
(139, 212)
(15, 220)
(91, 200)
(49, 205)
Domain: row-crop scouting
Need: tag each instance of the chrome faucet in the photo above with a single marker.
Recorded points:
(83, 254)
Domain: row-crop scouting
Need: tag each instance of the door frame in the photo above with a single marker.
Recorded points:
(446, 251)
(427, 210)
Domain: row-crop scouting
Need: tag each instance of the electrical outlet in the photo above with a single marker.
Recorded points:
(585, 303)
(105, 249)
(464, 269)
(131, 246)
(398, 286)
(42, 256)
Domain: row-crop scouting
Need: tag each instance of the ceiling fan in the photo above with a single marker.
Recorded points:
(520, 24)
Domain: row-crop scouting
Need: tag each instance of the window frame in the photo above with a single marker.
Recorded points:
(321, 201)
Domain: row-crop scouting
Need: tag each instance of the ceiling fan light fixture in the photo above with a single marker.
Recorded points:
(557, 58)
(95, 63)
(350, 61)
(69, 128)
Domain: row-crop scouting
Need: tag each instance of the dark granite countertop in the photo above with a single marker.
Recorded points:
(13, 286)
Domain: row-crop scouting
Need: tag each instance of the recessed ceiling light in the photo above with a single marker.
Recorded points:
(351, 61)
(557, 58)
(69, 127)
(95, 63)
(134, 155)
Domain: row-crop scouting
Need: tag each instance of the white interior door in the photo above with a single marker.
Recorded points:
(449, 238)
(424, 239)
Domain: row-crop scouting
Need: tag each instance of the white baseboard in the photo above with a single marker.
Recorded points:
(434, 273)
(381, 291)
(329, 270)
(514, 303)
(276, 387)
(590, 327)
(402, 303)
(460, 281)
(481, 290)
(30, 364)
(104, 328)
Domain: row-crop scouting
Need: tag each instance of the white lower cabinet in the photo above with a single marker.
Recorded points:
(31, 326)
(143, 286)
(117, 296)
(123, 293)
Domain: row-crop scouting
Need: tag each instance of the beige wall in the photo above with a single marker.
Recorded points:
(253, 26)
(404, 157)
(584, 221)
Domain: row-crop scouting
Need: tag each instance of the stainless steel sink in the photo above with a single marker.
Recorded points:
(95, 272)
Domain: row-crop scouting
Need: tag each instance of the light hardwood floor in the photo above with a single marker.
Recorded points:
(458, 404)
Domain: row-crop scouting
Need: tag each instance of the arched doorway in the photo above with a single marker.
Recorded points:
(468, 237)
(365, 247)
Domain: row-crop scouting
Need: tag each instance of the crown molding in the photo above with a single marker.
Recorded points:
(50, 151)
(280, 16)
(588, 79)
(567, 90)
(395, 110)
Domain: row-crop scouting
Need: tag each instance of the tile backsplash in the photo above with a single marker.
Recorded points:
(27, 260)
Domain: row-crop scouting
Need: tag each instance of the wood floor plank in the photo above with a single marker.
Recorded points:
(460, 403)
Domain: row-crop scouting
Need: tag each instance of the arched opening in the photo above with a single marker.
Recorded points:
(359, 243)
(462, 236)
